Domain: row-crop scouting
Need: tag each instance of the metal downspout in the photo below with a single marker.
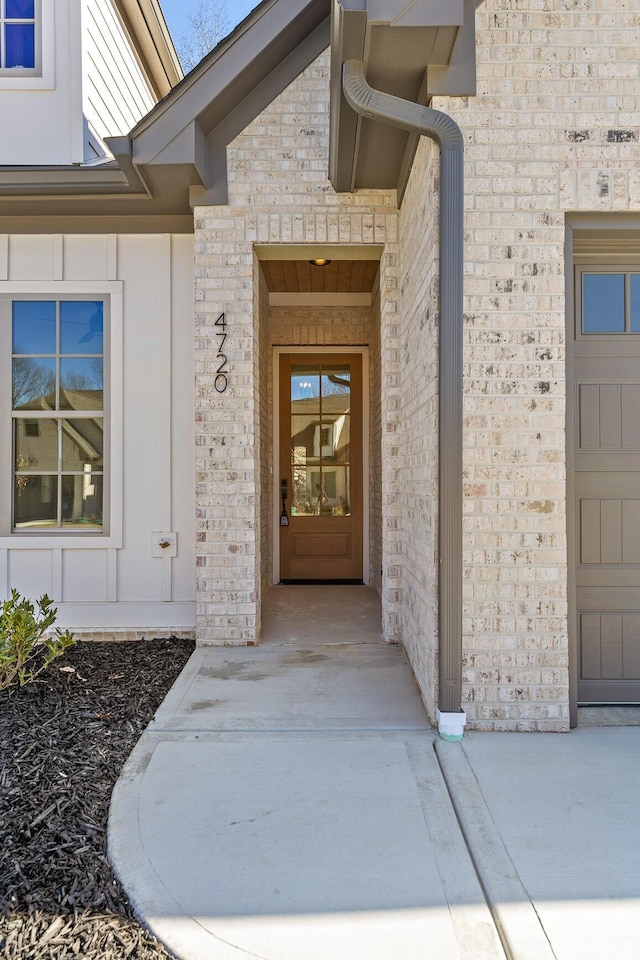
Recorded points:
(396, 112)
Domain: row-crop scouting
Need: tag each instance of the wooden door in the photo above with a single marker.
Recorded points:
(607, 484)
(321, 490)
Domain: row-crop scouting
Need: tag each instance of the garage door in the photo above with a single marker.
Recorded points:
(607, 483)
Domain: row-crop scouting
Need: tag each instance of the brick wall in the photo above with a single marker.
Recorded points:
(553, 128)
(278, 193)
(418, 432)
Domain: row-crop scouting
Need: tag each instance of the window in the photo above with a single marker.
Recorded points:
(61, 414)
(610, 301)
(20, 35)
(58, 414)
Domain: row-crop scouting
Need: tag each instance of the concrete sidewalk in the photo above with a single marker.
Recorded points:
(287, 803)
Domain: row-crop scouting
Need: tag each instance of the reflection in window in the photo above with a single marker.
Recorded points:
(321, 440)
(58, 418)
(603, 303)
(18, 35)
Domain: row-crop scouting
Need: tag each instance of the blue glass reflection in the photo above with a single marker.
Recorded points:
(20, 45)
(305, 386)
(34, 326)
(20, 9)
(33, 384)
(81, 326)
(635, 302)
(603, 303)
(81, 384)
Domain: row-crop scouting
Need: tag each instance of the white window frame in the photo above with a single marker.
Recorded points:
(112, 293)
(41, 77)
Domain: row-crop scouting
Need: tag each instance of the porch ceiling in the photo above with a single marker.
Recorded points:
(339, 276)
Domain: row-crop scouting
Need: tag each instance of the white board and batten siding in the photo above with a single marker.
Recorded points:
(117, 584)
(116, 93)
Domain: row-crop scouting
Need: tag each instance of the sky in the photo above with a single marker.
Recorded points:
(176, 13)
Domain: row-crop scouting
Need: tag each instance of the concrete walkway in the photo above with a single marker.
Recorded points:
(287, 803)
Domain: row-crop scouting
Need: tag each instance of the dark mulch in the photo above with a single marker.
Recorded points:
(63, 742)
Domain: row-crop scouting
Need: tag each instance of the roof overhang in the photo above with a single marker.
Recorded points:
(175, 157)
(150, 36)
(413, 50)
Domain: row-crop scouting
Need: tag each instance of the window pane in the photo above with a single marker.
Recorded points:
(82, 444)
(36, 444)
(336, 381)
(82, 500)
(635, 302)
(80, 326)
(34, 326)
(20, 45)
(603, 303)
(305, 384)
(81, 384)
(35, 501)
(20, 9)
(33, 384)
(336, 437)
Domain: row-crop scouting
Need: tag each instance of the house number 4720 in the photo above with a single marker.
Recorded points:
(222, 372)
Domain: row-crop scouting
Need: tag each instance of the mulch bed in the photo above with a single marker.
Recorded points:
(63, 742)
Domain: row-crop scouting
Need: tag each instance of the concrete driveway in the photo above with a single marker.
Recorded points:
(291, 802)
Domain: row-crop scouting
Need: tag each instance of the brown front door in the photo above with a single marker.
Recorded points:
(321, 467)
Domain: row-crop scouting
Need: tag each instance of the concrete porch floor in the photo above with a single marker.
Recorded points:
(287, 803)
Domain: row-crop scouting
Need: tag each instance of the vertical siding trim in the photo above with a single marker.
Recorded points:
(56, 575)
(57, 255)
(4, 574)
(4, 256)
(112, 257)
(112, 576)
(166, 491)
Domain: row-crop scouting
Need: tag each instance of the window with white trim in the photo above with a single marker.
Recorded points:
(58, 413)
(20, 38)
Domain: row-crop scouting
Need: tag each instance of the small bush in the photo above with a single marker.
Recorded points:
(24, 649)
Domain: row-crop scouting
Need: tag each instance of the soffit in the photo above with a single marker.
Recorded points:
(339, 276)
(412, 50)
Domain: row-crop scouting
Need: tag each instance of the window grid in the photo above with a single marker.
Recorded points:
(31, 416)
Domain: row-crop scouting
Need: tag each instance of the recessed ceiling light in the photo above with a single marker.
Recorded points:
(320, 262)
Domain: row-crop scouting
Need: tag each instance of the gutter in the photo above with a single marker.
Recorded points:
(415, 118)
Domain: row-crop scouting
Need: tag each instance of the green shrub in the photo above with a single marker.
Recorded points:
(24, 649)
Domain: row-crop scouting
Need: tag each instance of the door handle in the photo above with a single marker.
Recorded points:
(284, 493)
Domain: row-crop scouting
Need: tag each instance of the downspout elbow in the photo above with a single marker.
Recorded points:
(396, 112)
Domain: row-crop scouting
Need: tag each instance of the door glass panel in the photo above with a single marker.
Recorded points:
(305, 385)
(320, 440)
(603, 303)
